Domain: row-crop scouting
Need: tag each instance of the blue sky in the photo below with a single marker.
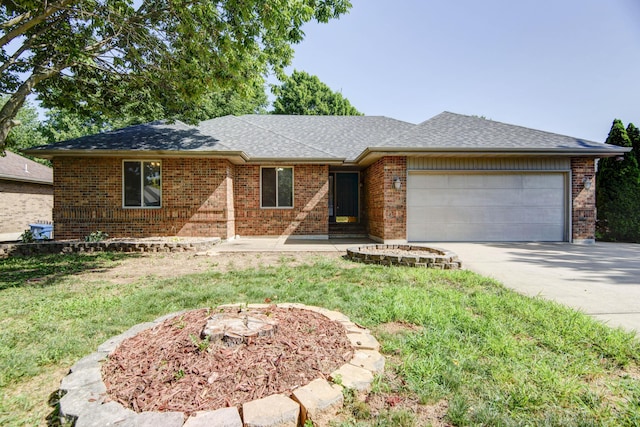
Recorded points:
(564, 66)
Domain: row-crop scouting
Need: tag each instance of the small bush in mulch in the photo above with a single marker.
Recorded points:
(171, 368)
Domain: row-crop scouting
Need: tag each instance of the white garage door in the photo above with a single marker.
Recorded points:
(486, 207)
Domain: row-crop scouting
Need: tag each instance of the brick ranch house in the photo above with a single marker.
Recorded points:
(26, 194)
(450, 178)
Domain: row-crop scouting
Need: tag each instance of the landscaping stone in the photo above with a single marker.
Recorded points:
(353, 377)
(107, 414)
(80, 401)
(273, 411)
(369, 360)
(319, 402)
(81, 378)
(334, 315)
(169, 316)
(91, 361)
(157, 419)
(363, 341)
(225, 417)
(351, 327)
(111, 344)
(292, 305)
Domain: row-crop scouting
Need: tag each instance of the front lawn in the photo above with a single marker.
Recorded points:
(461, 349)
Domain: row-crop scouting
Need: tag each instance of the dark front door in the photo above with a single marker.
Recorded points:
(344, 206)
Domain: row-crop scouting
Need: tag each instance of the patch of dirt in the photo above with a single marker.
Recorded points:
(425, 415)
(396, 397)
(164, 265)
(394, 328)
(170, 367)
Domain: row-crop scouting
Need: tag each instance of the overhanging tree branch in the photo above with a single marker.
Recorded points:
(11, 107)
(152, 58)
(22, 29)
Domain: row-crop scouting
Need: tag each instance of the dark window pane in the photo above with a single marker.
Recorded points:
(285, 187)
(152, 184)
(132, 179)
(268, 187)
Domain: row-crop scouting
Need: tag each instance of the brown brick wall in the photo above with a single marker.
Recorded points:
(583, 200)
(385, 206)
(309, 216)
(23, 203)
(195, 195)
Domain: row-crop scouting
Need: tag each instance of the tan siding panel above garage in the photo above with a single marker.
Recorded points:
(506, 163)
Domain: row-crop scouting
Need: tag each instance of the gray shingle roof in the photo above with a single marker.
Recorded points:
(17, 168)
(258, 141)
(449, 131)
(329, 138)
(154, 136)
(340, 136)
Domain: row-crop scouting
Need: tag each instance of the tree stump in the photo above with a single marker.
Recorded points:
(238, 328)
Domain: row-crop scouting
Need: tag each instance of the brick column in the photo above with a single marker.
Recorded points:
(386, 207)
(583, 200)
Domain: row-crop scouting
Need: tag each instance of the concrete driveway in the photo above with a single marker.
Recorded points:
(602, 280)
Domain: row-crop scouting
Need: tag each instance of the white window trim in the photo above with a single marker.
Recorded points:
(142, 184)
(293, 186)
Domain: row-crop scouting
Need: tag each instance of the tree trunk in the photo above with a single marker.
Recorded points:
(11, 108)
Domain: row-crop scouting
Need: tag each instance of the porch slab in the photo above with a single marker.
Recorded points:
(288, 244)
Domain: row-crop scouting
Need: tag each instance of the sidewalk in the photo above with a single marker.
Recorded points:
(275, 244)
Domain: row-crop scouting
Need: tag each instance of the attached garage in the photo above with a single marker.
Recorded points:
(486, 206)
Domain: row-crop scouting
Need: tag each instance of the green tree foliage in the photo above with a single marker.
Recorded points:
(618, 190)
(225, 102)
(29, 132)
(146, 59)
(634, 136)
(61, 125)
(304, 94)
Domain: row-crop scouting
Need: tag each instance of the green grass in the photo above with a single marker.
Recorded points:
(496, 357)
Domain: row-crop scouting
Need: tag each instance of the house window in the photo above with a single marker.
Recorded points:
(141, 184)
(276, 186)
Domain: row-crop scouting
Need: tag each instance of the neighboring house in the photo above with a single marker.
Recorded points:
(450, 178)
(26, 194)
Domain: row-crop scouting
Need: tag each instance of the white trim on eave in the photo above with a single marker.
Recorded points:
(371, 155)
(22, 179)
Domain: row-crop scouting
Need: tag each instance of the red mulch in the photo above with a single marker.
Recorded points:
(162, 369)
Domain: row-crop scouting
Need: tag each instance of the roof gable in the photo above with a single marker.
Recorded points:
(459, 132)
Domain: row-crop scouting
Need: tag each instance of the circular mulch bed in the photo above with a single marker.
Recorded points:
(172, 368)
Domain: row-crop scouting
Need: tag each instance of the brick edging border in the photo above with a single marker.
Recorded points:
(129, 246)
(432, 258)
(86, 402)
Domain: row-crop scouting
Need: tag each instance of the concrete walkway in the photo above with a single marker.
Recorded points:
(274, 244)
(602, 280)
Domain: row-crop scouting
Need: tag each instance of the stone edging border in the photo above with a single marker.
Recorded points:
(139, 246)
(85, 394)
(433, 257)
